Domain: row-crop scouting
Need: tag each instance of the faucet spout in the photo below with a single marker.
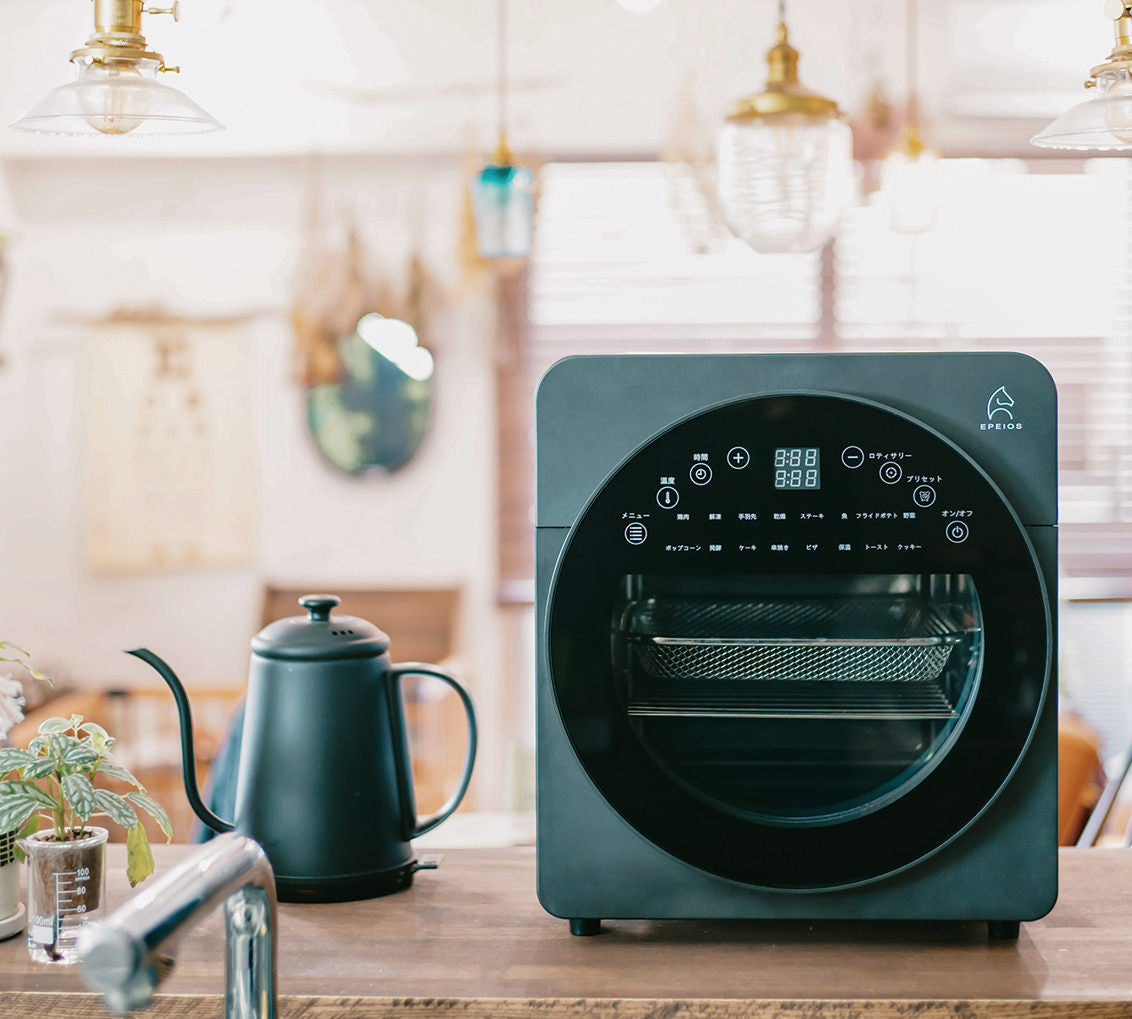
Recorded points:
(126, 956)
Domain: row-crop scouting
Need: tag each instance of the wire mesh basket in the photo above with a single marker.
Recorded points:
(855, 640)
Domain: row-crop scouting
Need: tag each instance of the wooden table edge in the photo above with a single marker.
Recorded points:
(23, 1004)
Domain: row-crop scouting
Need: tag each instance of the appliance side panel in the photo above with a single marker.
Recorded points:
(621, 401)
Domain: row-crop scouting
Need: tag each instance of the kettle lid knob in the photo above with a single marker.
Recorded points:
(319, 605)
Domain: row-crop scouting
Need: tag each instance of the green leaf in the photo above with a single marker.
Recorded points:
(17, 787)
(76, 721)
(13, 757)
(79, 793)
(30, 825)
(101, 739)
(41, 767)
(139, 859)
(56, 724)
(18, 801)
(116, 808)
(37, 743)
(77, 755)
(154, 809)
(7, 645)
(112, 769)
(36, 674)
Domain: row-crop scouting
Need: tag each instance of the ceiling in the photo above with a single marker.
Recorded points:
(594, 80)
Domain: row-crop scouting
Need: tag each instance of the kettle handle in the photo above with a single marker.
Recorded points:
(414, 826)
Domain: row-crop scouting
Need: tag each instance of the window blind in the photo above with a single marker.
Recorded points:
(1031, 257)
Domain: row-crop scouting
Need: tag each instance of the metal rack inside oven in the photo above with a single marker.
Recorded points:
(873, 657)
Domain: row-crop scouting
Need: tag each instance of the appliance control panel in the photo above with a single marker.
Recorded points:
(803, 479)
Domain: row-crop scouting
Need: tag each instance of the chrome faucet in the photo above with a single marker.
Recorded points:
(127, 955)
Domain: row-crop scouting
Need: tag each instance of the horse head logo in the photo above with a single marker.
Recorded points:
(1000, 403)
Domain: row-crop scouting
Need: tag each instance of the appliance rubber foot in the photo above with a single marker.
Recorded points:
(585, 927)
(1003, 930)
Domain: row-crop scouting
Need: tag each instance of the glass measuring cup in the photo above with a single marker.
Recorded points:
(66, 891)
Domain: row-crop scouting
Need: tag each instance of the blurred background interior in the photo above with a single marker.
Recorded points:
(209, 404)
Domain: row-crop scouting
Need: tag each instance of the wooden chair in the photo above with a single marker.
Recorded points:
(1080, 776)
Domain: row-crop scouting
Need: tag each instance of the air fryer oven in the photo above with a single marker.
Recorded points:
(795, 642)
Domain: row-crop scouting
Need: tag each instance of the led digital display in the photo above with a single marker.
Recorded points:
(797, 467)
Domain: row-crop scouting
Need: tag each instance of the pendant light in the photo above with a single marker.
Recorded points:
(1104, 121)
(503, 193)
(910, 172)
(116, 90)
(785, 160)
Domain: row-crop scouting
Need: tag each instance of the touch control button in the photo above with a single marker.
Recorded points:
(636, 533)
(738, 458)
(890, 473)
(852, 457)
(924, 495)
(700, 474)
(667, 497)
(957, 531)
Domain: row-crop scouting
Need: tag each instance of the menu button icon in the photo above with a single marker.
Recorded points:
(636, 533)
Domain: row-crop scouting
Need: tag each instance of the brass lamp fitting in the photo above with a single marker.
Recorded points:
(784, 94)
(118, 36)
(1120, 59)
(502, 156)
(910, 142)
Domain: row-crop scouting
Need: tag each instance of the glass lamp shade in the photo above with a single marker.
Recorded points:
(117, 98)
(1102, 122)
(785, 179)
(910, 185)
(503, 201)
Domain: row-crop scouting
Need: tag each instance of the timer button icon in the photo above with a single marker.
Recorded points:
(852, 457)
(890, 473)
(700, 474)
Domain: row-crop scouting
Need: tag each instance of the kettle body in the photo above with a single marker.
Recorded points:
(324, 776)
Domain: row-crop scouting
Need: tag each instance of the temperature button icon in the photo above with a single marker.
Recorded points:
(667, 497)
(636, 533)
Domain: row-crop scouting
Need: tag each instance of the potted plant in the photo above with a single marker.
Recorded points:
(55, 783)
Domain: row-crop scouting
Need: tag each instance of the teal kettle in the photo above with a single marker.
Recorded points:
(324, 780)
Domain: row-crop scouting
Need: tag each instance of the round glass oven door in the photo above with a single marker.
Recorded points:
(797, 662)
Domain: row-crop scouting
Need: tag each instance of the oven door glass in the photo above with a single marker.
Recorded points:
(799, 641)
(797, 700)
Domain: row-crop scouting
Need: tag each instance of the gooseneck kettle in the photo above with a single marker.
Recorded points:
(324, 779)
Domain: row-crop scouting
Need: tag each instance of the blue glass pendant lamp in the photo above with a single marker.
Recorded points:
(503, 193)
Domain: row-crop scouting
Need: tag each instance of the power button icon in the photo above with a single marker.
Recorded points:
(957, 531)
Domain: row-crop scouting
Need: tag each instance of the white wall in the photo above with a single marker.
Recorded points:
(216, 237)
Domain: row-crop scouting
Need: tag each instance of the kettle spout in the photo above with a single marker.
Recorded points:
(188, 758)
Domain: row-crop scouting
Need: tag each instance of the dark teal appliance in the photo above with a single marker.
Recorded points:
(796, 638)
(324, 780)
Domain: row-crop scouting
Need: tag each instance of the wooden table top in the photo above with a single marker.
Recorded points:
(470, 939)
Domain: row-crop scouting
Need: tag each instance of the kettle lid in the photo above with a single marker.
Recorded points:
(319, 636)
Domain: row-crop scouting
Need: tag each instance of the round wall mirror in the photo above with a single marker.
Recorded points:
(375, 416)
